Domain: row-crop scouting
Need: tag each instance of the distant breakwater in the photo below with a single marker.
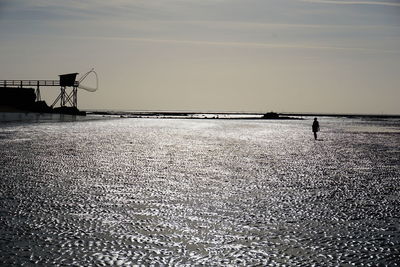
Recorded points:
(196, 115)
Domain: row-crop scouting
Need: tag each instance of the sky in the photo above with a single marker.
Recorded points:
(320, 56)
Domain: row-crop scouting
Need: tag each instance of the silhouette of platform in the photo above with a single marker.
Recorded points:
(24, 83)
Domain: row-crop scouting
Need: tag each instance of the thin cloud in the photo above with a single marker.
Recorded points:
(375, 3)
(242, 44)
(259, 25)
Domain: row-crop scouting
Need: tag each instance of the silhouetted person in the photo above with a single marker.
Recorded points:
(315, 128)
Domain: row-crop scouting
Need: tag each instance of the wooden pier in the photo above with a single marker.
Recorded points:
(66, 80)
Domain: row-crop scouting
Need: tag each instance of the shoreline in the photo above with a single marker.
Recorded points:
(195, 115)
(16, 115)
(233, 115)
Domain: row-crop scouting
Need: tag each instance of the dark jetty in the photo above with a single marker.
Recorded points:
(24, 100)
(271, 116)
(69, 111)
(276, 116)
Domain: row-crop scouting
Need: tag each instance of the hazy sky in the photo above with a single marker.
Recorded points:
(211, 55)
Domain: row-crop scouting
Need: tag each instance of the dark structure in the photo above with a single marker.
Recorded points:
(277, 116)
(65, 98)
(271, 115)
(17, 95)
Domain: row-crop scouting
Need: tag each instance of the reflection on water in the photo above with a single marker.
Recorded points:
(199, 192)
(30, 117)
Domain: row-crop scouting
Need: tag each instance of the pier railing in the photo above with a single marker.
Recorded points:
(22, 83)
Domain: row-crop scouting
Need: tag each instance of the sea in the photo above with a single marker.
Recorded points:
(111, 191)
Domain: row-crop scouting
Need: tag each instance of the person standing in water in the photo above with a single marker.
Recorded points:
(315, 128)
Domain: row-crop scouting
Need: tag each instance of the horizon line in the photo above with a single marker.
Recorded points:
(327, 114)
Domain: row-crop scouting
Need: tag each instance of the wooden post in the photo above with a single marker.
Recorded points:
(38, 96)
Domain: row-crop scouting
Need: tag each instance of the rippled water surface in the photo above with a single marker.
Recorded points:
(200, 192)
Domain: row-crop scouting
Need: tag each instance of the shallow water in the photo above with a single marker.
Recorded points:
(200, 192)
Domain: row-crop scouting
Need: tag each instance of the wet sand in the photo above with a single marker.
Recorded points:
(200, 192)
